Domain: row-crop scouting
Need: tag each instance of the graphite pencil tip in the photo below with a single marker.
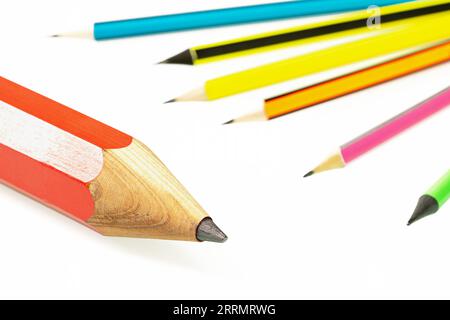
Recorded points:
(170, 101)
(184, 57)
(228, 122)
(208, 231)
(427, 205)
(335, 161)
(310, 173)
(77, 34)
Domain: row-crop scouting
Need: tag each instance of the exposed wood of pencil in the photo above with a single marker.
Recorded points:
(335, 161)
(198, 94)
(136, 196)
(250, 117)
(74, 34)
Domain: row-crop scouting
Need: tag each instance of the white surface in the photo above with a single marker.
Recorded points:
(340, 234)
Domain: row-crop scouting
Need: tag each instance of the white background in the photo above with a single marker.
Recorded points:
(340, 234)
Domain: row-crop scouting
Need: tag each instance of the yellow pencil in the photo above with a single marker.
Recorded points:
(348, 24)
(418, 32)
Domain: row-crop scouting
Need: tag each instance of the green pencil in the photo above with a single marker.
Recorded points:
(433, 199)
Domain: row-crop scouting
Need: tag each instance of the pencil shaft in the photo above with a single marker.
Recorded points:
(229, 16)
(45, 184)
(64, 152)
(394, 126)
(359, 80)
(419, 31)
(62, 116)
(441, 189)
(349, 24)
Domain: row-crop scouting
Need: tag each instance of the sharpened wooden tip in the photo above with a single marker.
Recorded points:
(208, 231)
(137, 196)
(198, 94)
(256, 116)
(170, 101)
(335, 161)
(77, 34)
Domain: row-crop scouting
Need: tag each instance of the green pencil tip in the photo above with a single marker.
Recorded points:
(427, 205)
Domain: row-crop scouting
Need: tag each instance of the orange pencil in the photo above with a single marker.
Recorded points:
(94, 174)
(349, 83)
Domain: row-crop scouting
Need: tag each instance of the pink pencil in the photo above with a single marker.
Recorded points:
(385, 131)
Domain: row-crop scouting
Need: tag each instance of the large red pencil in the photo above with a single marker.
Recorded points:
(93, 173)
